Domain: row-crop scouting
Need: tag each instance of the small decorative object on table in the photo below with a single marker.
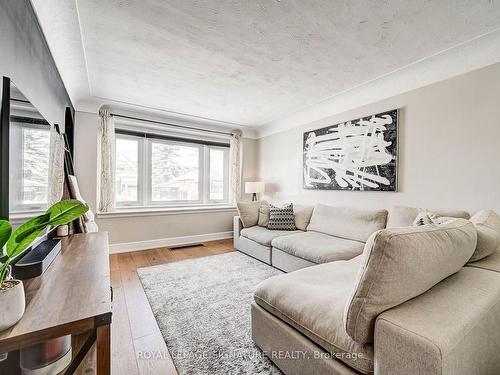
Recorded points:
(12, 302)
(62, 230)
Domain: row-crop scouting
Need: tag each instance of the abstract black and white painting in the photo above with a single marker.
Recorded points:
(359, 154)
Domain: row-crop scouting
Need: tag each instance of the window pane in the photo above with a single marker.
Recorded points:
(174, 172)
(216, 174)
(35, 166)
(127, 166)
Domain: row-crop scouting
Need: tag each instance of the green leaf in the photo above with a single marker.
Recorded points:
(26, 234)
(66, 211)
(59, 214)
(42, 222)
(5, 232)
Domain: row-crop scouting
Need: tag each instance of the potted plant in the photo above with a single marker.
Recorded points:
(12, 301)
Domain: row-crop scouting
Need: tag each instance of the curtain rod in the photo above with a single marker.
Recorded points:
(166, 123)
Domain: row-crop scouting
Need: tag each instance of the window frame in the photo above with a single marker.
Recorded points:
(225, 188)
(145, 184)
(140, 151)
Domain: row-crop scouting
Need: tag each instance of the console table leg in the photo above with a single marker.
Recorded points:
(103, 348)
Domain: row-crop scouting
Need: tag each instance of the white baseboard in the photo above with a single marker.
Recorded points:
(163, 242)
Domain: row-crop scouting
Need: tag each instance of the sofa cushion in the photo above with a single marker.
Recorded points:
(401, 263)
(263, 215)
(490, 263)
(262, 235)
(318, 247)
(302, 215)
(249, 212)
(254, 249)
(312, 301)
(487, 224)
(453, 329)
(403, 216)
(288, 263)
(344, 222)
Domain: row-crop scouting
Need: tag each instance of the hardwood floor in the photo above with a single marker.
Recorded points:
(135, 336)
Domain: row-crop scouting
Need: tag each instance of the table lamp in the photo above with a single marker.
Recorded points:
(254, 188)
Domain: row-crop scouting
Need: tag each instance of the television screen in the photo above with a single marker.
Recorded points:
(28, 159)
(29, 154)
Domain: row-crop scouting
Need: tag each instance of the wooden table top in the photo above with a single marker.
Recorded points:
(72, 296)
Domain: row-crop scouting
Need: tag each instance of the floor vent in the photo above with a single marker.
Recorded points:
(182, 247)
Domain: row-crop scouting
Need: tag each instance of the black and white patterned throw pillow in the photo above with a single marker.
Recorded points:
(281, 218)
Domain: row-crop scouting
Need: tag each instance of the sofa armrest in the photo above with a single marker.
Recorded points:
(237, 227)
(454, 328)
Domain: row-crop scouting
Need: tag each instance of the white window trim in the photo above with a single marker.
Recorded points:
(146, 206)
(225, 194)
(19, 217)
(163, 211)
(140, 146)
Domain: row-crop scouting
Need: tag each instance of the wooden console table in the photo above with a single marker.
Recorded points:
(72, 297)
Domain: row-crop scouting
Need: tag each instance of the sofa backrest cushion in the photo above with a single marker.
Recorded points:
(401, 263)
(302, 215)
(249, 212)
(487, 224)
(403, 216)
(350, 223)
(264, 215)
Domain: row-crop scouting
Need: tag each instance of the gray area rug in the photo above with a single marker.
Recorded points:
(202, 307)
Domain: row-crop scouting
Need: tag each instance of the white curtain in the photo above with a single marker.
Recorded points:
(56, 167)
(235, 159)
(107, 177)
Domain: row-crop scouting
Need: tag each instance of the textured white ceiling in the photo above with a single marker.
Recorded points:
(250, 62)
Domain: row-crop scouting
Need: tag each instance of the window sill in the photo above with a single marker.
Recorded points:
(161, 211)
(22, 216)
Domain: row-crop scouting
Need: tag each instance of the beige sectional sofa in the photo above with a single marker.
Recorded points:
(399, 300)
(331, 233)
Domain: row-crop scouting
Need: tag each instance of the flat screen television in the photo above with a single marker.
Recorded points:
(24, 158)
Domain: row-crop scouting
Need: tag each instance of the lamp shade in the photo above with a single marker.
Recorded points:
(254, 187)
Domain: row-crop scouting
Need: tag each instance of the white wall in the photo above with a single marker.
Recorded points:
(86, 156)
(27, 61)
(449, 149)
(147, 228)
(449, 157)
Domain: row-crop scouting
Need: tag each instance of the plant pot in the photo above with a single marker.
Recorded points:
(12, 303)
(46, 358)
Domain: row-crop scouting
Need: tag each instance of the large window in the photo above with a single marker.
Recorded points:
(154, 170)
(29, 165)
